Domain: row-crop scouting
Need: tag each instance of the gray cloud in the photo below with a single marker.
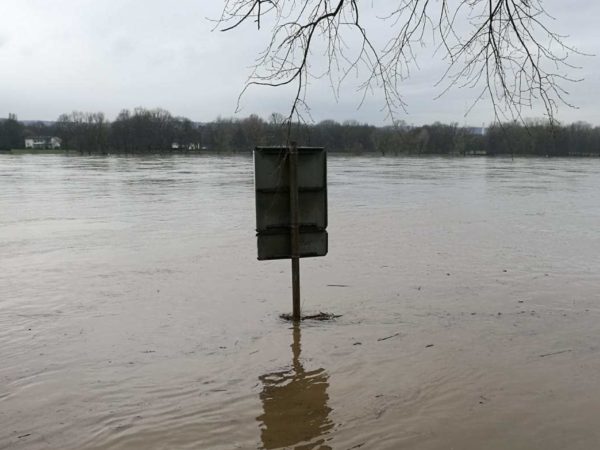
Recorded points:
(124, 53)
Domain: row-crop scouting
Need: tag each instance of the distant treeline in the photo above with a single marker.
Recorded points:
(143, 130)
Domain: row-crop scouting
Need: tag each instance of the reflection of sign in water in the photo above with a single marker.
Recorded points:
(295, 410)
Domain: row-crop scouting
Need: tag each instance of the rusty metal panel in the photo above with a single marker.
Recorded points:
(277, 245)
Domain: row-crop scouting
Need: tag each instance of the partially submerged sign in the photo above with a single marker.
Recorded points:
(274, 184)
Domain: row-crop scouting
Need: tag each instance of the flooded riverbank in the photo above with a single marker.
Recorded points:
(134, 314)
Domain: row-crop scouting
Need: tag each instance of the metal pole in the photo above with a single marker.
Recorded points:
(295, 230)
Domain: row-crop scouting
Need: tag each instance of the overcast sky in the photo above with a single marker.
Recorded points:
(63, 55)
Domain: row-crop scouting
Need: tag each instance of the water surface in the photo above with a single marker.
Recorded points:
(134, 315)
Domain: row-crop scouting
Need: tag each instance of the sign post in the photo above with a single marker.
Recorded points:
(295, 231)
(291, 207)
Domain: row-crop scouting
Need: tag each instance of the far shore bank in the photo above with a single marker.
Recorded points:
(227, 153)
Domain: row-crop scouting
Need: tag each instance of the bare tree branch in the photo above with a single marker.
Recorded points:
(503, 49)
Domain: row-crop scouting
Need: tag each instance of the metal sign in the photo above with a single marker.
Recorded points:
(291, 207)
(273, 202)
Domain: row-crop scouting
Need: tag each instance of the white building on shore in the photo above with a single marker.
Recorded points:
(43, 142)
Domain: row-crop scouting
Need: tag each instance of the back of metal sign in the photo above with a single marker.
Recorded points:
(272, 188)
(273, 218)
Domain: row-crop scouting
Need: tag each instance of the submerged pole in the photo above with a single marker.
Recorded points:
(295, 230)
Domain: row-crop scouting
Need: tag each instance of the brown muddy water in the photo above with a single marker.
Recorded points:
(134, 315)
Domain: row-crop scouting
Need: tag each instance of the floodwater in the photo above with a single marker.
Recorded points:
(134, 315)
